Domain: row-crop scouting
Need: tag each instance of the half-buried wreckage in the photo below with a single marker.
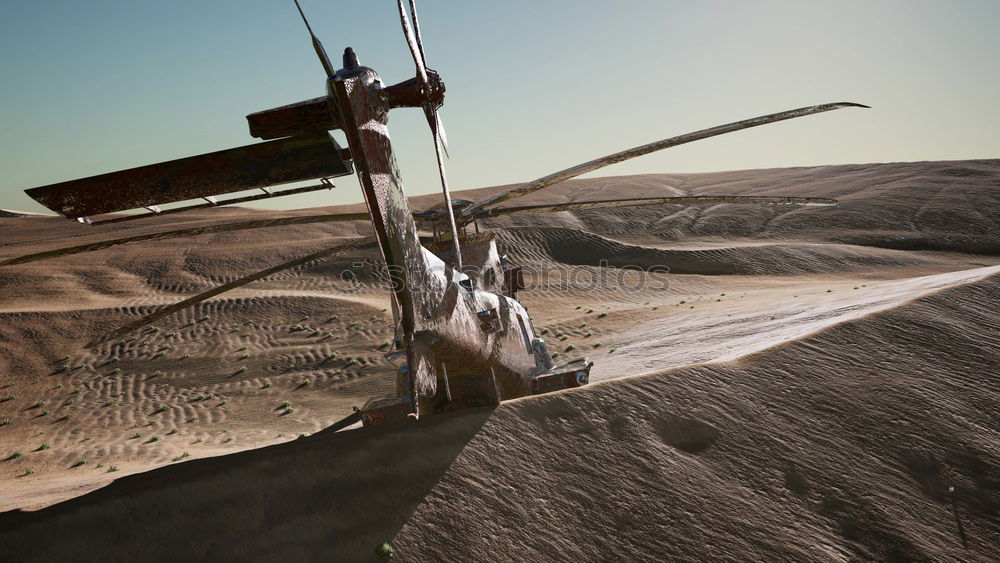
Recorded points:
(462, 339)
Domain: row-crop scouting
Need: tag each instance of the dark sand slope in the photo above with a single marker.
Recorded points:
(834, 447)
(839, 446)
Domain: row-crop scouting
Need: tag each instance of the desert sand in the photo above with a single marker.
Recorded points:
(806, 384)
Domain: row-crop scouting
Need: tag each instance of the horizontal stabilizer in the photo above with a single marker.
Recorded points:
(317, 114)
(244, 168)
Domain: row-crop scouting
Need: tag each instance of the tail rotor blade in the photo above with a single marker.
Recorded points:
(416, 31)
(317, 45)
(598, 163)
(411, 42)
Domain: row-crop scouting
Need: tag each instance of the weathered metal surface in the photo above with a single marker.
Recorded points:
(598, 163)
(192, 232)
(308, 116)
(250, 167)
(689, 200)
(575, 374)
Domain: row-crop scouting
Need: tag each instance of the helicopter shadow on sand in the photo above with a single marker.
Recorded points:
(331, 492)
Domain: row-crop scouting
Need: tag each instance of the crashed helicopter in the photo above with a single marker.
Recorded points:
(462, 339)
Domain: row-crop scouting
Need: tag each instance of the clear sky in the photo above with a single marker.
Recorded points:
(532, 86)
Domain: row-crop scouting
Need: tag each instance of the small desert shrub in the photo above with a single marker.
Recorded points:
(157, 373)
(244, 356)
(80, 462)
(192, 419)
(223, 403)
(182, 456)
(66, 416)
(589, 311)
(578, 307)
(544, 331)
(241, 348)
(384, 550)
(163, 408)
(137, 435)
(242, 369)
(172, 432)
(170, 334)
(227, 440)
(285, 405)
(612, 350)
(267, 383)
(29, 471)
(58, 385)
(289, 410)
(555, 354)
(7, 398)
(5, 422)
(570, 348)
(153, 439)
(112, 469)
(43, 447)
(14, 455)
(114, 359)
(588, 334)
(602, 315)
(45, 412)
(111, 402)
(40, 404)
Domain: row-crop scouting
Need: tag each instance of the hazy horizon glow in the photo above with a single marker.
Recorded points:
(532, 87)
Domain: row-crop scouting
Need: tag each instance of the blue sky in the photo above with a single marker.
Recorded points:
(533, 87)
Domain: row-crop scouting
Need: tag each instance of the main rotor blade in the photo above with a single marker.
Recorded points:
(195, 231)
(682, 200)
(447, 193)
(411, 42)
(171, 309)
(592, 165)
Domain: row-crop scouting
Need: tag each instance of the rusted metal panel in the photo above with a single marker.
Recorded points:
(308, 116)
(250, 167)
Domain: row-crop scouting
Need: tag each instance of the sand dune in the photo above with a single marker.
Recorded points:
(809, 383)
